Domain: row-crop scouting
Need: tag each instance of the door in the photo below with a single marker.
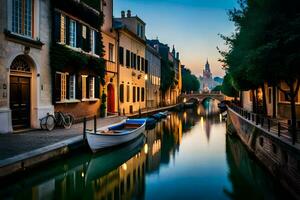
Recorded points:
(20, 101)
(110, 99)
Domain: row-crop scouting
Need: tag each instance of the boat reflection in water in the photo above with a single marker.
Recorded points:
(186, 156)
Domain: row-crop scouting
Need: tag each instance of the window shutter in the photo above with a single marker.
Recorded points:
(67, 86)
(79, 35)
(78, 87)
(57, 87)
(88, 40)
(97, 43)
(97, 87)
(56, 32)
(67, 30)
(88, 87)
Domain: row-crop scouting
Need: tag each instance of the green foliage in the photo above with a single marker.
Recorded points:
(217, 88)
(64, 59)
(227, 87)
(167, 75)
(103, 105)
(189, 81)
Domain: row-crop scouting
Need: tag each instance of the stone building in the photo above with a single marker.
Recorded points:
(109, 38)
(173, 92)
(25, 81)
(153, 93)
(131, 63)
(77, 66)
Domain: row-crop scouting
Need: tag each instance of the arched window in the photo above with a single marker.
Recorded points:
(20, 65)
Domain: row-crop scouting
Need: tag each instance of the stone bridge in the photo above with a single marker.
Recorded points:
(200, 97)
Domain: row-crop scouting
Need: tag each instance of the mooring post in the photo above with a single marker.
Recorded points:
(95, 124)
(84, 129)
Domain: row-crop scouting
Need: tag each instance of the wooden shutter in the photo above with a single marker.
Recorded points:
(78, 87)
(88, 40)
(79, 35)
(67, 86)
(56, 26)
(57, 87)
(97, 43)
(97, 87)
(67, 30)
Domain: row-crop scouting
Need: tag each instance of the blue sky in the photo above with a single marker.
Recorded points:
(191, 25)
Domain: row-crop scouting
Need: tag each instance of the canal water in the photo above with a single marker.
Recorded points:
(186, 156)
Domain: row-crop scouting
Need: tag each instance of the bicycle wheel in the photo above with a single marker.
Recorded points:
(43, 123)
(50, 122)
(68, 121)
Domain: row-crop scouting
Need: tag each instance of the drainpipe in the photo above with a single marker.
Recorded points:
(118, 71)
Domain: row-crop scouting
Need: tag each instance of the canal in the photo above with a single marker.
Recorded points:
(186, 156)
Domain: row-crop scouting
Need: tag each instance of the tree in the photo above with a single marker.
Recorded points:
(167, 76)
(228, 88)
(189, 81)
(218, 88)
(265, 47)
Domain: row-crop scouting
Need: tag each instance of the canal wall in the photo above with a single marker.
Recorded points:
(277, 154)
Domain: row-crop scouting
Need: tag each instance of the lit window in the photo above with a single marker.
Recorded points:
(63, 92)
(92, 87)
(111, 52)
(72, 33)
(22, 15)
(84, 78)
(72, 87)
(83, 31)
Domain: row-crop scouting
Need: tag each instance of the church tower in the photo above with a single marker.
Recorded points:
(206, 72)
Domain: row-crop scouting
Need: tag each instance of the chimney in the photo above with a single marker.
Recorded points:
(128, 13)
(123, 14)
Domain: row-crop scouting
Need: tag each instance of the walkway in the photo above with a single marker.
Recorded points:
(19, 143)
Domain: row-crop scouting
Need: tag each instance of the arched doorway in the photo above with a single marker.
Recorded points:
(110, 99)
(20, 83)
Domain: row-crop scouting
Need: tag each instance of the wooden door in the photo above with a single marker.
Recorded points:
(110, 99)
(20, 101)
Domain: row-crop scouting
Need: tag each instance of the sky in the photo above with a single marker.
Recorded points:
(191, 25)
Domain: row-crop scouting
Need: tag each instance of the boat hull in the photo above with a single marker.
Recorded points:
(98, 142)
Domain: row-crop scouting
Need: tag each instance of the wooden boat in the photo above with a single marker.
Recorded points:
(150, 122)
(117, 134)
(100, 165)
(157, 116)
(163, 114)
(189, 105)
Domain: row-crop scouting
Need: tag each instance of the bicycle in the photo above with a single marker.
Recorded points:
(58, 119)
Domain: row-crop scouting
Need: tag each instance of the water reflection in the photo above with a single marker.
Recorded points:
(186, 156)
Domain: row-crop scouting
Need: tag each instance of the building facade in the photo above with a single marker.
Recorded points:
(153, 94)
(109, 38)
(25, 81)
(76, 63)
(131, 63)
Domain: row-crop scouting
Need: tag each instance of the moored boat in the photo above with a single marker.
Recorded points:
(150, 122)
(117, 134)
(163, 114)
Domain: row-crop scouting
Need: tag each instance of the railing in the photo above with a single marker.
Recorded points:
(275, 126)
(111, 66)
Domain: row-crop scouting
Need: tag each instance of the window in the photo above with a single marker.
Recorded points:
(139, 63)
(72, 33)
(22, 17)
(83, 32)
(133, 94)
(146, 66)
(138, 94)
(63, 91)
(122, 93)
(93, 44)
(132, 60)
(143, 64)
(121, 55)
(72, 87)
(128, 58)
(84, 85)
(63, 29)
(143, 94)
(92, 87)
(251, 95)
(111, 52)
(128, 93)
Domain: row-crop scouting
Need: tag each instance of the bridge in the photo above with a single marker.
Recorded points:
(200, 97)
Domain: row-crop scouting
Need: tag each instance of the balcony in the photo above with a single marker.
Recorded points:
(111, 66)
